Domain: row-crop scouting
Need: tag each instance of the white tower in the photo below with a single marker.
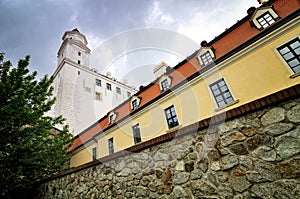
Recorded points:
(83, 95)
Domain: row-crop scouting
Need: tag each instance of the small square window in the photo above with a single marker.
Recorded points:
(128, 94)
(290, 52)
(94, 153)
(206, 58)
(134, 104)
(221, 93)
(98, 82)
(164, 85)
(171, 117)
(118, 90)
(108, 86)
(265, 20)
(111, 146)
(136, 133)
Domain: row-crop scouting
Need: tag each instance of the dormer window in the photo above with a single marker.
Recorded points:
(135, 102)
(206, 58)
(112, 117)
(206, 54)
(165, 82)
(266, 20)
(263, 17)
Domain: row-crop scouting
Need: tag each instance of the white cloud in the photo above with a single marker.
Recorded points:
(157, 16)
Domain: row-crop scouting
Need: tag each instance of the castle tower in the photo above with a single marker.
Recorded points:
(82, 94)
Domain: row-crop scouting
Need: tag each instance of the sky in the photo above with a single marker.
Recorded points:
(126, 37)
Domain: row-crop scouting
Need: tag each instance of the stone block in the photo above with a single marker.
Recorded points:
(288, 144)
(294, 114)
(274, 115)
(232, 137)
(238, 149)
(290, 168)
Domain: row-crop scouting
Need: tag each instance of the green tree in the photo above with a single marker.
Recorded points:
(29, 148)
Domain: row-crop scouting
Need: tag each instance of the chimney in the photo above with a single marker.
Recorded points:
(160, 69)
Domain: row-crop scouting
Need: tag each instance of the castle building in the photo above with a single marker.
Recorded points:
(83, 95)
(256, 58)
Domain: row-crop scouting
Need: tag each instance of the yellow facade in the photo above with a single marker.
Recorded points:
(254, 72)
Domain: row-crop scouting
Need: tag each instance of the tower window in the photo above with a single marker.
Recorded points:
(171, 116)
(290, 52)
(221, 93)
(128, 94)
(78, 72)
(265, 20)
(136, 133)
(108, 86)
(98, 82)
(98, 96)
(78, 61)
(118, 90)
(111, 146)
(79, 53)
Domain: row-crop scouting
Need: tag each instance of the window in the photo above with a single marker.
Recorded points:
(94, 153)
(78, 61)
(98, 82)
(111, 146)
(221, 93)
(118, 90)
(206, 58)
(265, 20)
(164, 85)
(136, 133)
(263, 17)
(128, 94)
(98, 96)
(79, 53)
(78, 72)
(108, 86)
(290, 52)
(112, 117)
(171, 116)
(134, 104)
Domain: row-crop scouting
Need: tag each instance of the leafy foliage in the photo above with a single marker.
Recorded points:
(30, 148)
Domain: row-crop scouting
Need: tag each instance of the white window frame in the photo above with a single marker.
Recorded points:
(162, 79)
(260, 12)
(136, 130)
(138, 100)
(288, 67)
(202, 52)
(111, 147)
(218, 107)
(112, 116)
(167, 118)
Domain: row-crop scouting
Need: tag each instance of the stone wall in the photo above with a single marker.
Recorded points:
(252, 156)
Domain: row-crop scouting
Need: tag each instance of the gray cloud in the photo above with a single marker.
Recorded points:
(36, 27)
